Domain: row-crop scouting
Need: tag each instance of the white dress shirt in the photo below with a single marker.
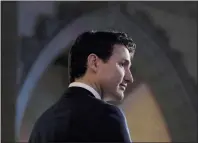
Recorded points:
(89, 88)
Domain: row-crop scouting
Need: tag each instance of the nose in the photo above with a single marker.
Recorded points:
(128, 77)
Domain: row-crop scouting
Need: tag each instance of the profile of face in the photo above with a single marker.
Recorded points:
(115, 74)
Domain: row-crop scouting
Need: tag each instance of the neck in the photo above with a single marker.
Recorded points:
(91, 83)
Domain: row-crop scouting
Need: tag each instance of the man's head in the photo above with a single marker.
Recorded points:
(103, 59)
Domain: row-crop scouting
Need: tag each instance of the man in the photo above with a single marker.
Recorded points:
(99, 72)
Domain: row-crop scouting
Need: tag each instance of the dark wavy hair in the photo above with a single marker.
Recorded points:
(100, 43)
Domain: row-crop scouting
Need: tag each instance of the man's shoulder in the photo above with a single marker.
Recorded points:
(71, 106)
(91, 106)
(87, 103)
(112, 109)
(82, 98)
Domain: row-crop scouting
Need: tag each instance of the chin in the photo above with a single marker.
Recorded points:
(115, 96)
(119, 96)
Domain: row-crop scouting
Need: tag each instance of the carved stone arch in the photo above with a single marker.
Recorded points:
(147, 58)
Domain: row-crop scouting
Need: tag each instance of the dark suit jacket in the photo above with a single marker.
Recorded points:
(79, 117)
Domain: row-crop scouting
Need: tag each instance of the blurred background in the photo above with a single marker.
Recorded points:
(161, 104)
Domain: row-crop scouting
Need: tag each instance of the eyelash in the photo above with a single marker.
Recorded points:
(122, 64)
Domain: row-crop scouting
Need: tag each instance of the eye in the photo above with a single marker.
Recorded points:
(122, 64)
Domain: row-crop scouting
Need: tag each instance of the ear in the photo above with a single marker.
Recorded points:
(93, 62)
(132, 55)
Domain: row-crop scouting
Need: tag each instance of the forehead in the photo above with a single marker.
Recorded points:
(121, 52)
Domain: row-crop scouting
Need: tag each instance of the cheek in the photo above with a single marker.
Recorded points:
(119, 72)
(116, 75)
(111, 75)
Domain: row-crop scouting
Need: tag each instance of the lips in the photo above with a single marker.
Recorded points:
(123, 86)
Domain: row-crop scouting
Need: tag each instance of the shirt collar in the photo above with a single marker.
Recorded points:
(89, 88)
